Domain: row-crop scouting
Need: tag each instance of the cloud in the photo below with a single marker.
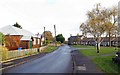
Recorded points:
(33, 15)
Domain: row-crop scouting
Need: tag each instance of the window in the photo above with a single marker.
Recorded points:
(38, 41)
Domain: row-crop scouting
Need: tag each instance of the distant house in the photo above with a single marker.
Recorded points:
(16, 38)
(88, 41)
(115, 41)
(75, 39)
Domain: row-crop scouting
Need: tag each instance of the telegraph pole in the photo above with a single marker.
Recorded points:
(55, 35)
(44, 36)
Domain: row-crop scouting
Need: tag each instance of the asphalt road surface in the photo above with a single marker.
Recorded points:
(59, 61)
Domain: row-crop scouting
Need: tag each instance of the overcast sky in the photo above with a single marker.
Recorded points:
(33, 15)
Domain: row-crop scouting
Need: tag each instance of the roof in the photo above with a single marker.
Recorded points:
(117, 39)
(11, 30)
(26, 38)
(87, 39)
(76, 36)
(38, 36)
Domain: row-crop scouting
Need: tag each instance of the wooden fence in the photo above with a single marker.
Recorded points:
(23, 52)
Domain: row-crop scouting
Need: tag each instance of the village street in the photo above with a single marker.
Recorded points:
(59, 61)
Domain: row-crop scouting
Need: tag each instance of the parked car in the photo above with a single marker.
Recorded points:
(117, 58)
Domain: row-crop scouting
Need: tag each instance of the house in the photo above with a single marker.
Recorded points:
(91, 41)
(115, 41)
(16, 37)
(84, 41)
(75, 39)
(37, 40)
(88, 41)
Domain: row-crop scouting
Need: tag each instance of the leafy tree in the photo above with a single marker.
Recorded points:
(100, 21)
(95, 24)
(111, 22)
(60, 38)
(2, 38)
(48, 36)
(17, 25)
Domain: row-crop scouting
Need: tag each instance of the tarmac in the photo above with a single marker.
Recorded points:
(81, 63)
(15, 62)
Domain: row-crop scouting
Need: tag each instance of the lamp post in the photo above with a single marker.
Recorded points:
(55, 35)
(44, 36)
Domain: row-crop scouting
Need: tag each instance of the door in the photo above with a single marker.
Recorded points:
(30, 44)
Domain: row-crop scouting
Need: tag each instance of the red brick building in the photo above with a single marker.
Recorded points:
(16, 38)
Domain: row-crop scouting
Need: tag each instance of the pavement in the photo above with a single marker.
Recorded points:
(16, 62)
(83, 64)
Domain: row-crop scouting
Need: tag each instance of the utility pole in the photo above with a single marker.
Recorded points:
(55, 35)
(44, 36)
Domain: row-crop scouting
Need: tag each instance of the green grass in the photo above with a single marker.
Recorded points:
(50, 49)
(83, 46)
(103, 50)
(106, 65)
(92, 50)
(103, 62)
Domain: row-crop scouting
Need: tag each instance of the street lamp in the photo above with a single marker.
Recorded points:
(55, 35)
(44, 36)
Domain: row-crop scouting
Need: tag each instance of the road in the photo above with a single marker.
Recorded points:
(59, 61)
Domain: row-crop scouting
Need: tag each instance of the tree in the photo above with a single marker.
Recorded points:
(111, 26)
(48, 36)
(77, 39)
(60, 38)
(17, 25)
(95, 24)
(2, 38)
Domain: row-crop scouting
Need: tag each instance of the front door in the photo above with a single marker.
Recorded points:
(30, 44)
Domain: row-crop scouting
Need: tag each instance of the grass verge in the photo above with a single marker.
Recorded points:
(106, 65)
(83, 46)
(92, 50)
(50, 49)
(103, 62)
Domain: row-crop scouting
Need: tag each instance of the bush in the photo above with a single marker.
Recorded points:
(3, 52)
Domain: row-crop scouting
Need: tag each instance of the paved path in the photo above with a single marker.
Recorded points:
(113, 53)
(83, 64)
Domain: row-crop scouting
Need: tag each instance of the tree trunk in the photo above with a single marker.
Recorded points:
(109, 40)
(98, 47)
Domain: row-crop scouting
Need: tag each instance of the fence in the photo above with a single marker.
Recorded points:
(23, 52)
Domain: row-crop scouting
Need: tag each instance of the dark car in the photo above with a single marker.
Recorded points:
(117, 58)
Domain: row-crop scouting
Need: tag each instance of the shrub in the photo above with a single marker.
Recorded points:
(3, 52)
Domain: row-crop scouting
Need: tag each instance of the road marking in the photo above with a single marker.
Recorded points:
(81, 67)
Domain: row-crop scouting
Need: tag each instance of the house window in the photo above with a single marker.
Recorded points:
(34, 41)
(38, 41)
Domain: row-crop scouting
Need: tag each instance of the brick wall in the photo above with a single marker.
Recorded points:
(12, 41)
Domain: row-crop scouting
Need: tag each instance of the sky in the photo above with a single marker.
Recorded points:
(34, 15)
